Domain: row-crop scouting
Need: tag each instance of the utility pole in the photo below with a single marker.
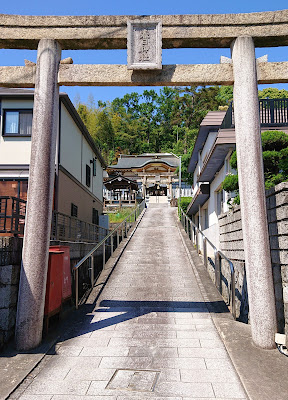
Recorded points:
(180, 179)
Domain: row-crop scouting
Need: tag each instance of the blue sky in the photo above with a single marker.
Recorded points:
(129, 7)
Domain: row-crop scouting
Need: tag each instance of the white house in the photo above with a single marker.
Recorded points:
(79, 165)
(210, 162)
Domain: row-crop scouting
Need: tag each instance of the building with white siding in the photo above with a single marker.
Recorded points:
(79, 165)
(210, 162)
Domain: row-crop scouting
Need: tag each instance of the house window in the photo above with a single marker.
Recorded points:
(95, 216)
(219, 201)
(74, 210)
(88, 176)
(17, 122)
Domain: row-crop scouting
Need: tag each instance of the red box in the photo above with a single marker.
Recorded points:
(53, 297)
(66, 284)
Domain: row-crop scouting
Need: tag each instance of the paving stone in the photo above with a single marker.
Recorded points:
(69, 350)
(91, 374)
(55, 387)
(218, 376)
(151, 316)
(185, 389)
(144, 396)
(154, 352)
(65, 397)
(137, 334)
(203, 335)
(126, 362)
(92, 341)
(104, 351)
(212, 343)
(213, 363)
(228, 390)
(71, 362)
(189, 363)
(36, 397)
(156, 342)
(203, 352)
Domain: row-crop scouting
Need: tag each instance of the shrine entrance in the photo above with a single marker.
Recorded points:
(156, 190)
(144, 37)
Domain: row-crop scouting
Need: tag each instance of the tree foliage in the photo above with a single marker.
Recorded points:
(275, 161)
(167, 121)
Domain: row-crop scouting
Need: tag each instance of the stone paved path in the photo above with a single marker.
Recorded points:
(150, 336)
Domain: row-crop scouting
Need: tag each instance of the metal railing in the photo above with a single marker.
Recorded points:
(106, 246)
(65, 227)
(193, 232)
(273, 112)
(12, 215)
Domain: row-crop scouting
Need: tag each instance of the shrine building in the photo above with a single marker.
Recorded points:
(155, 173)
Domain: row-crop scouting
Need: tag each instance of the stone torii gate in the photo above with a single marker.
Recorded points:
(240, 32)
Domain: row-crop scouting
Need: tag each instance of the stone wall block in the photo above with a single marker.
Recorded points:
(278, 292)
(7, 318)
(8, 296)
(234, 226)
(236, 235)
(232, 245)
(279, 243)
(277, 277)
(280, 228)
(279, 257)
(235, 255)
(9, 274)
(284, 273)
(231, 216)
(10, 250)
(277, 200)
(285, 294)
(278, 213)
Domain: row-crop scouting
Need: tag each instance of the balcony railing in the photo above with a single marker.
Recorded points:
(64, 227)
(273, 112)
(12, 215)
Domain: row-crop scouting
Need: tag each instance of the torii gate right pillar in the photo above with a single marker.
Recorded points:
(252, 194)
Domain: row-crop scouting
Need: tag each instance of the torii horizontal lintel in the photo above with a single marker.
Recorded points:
(110, 32)
(119, 75)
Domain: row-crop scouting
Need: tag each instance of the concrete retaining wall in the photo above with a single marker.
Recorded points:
(231, 243)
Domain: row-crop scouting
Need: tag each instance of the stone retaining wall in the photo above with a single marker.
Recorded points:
(10, 261)
(231, 243)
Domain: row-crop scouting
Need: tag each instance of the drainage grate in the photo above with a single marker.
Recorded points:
(134, 380)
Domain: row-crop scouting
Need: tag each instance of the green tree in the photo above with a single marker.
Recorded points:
(275, 161)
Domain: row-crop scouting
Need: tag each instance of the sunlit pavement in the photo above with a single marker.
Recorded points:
(150, 335)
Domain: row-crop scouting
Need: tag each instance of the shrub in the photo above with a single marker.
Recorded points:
(230, 183)
(233, 160)
(184, 203)
(274, 140)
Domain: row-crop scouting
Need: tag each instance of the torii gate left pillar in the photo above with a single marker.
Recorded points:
(31, 297)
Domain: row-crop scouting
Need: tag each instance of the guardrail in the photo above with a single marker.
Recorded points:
(107, 246)
(193, 232)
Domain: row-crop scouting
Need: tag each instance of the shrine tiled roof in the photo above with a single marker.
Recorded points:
(139, 161)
